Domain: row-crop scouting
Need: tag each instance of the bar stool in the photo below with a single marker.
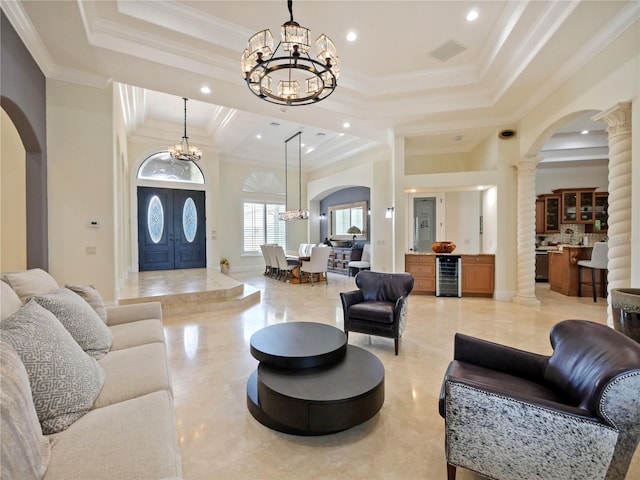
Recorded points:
(598, 261)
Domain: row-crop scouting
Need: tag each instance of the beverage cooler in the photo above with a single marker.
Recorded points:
(448, 276)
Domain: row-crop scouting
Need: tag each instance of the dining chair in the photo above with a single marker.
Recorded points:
(284, 267)
(273, 263)
(317, 263)
(364, 263)
(599, 261)
(267, 259)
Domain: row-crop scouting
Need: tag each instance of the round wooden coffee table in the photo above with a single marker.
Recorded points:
(336, 387)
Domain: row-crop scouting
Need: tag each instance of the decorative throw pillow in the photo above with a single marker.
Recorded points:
(64, 380)
(25, 451)
(92, 297)
(9, 301)
(30, 282)
(82, 322)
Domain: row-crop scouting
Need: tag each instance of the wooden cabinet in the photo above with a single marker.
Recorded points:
(423, 269)
(563, 270)
(478, 273)
(548, 213)
(601, 213)
(339, 258)
(540, 217)
(578, 205)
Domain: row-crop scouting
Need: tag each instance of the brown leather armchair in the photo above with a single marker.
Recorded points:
(513, 414)
(379, 306)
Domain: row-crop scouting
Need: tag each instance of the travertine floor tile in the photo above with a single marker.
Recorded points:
(210, 363)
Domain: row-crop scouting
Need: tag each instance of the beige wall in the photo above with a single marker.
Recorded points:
(549, 179)
(81, 185)
(13, 210)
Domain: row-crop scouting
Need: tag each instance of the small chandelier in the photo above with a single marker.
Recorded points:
(182, 150)
(299, 213)
(261, 64)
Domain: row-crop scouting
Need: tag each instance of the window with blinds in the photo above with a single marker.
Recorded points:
(261, 225)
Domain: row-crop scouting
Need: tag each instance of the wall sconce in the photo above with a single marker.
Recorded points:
(389, 213)
(369, 212)
(322, 216)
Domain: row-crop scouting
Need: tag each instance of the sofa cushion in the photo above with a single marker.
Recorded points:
(64, 380)
(135, 439)
(10, 303)
(82, 322)
(25, 450)
(133, 334)
(92, 297)
(30, 282)
(151, 373)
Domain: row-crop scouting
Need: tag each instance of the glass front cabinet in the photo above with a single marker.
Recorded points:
(584, 205)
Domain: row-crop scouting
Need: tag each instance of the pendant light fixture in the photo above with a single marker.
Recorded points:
(182, 150)
(290, 65)
(299, 214)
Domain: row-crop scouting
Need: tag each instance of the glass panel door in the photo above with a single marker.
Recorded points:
(424, 223)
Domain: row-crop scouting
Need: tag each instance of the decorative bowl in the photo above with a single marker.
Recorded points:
(443, 247)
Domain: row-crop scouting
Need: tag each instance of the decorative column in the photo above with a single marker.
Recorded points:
(618, 119)
(526, 232)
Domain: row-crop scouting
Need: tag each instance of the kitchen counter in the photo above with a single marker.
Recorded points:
(563, 269)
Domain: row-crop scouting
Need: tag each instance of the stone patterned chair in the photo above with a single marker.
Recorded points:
(379, 306)
(511, 414)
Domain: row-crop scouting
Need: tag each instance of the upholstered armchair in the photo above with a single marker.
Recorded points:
(511, 414)
(379, 306)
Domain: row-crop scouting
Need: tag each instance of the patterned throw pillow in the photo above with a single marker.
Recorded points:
(64, 380)
(79, 319)
(25, 450)
(92, 297)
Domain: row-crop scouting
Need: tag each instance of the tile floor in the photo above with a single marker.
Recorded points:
(210, 363)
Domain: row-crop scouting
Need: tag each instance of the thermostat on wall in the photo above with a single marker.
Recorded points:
(94, 223)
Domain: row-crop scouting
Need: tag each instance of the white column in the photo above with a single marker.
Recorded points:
(526, 232)
(618, 118)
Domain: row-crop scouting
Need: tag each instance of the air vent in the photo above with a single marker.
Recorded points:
(447, 51)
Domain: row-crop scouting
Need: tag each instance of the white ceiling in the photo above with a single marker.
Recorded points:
(512, 57)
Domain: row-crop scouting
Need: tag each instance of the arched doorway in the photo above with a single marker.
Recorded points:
(171, 221)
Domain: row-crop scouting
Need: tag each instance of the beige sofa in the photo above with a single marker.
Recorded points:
(126, 430)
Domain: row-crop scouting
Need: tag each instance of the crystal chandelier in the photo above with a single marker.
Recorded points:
(299, 213)
(182, 150)
(262, 66)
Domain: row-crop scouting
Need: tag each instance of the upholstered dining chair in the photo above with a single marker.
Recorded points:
(284, 267)
(273, 262)
(379, 306)
(599, 261)
(511, 414)
(364, 263)
(267, 259)
(317, 264)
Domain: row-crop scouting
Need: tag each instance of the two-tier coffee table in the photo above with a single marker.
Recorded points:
(310, 382)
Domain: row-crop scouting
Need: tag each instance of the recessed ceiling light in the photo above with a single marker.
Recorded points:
(472, 16)
(352, 36)
(259, 137)
(346, 125)
(205, 89)
(584, 132)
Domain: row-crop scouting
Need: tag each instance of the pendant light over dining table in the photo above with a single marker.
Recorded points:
(299, 213)
(290, 65)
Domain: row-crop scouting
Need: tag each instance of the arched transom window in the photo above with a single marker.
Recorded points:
(160, 166)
